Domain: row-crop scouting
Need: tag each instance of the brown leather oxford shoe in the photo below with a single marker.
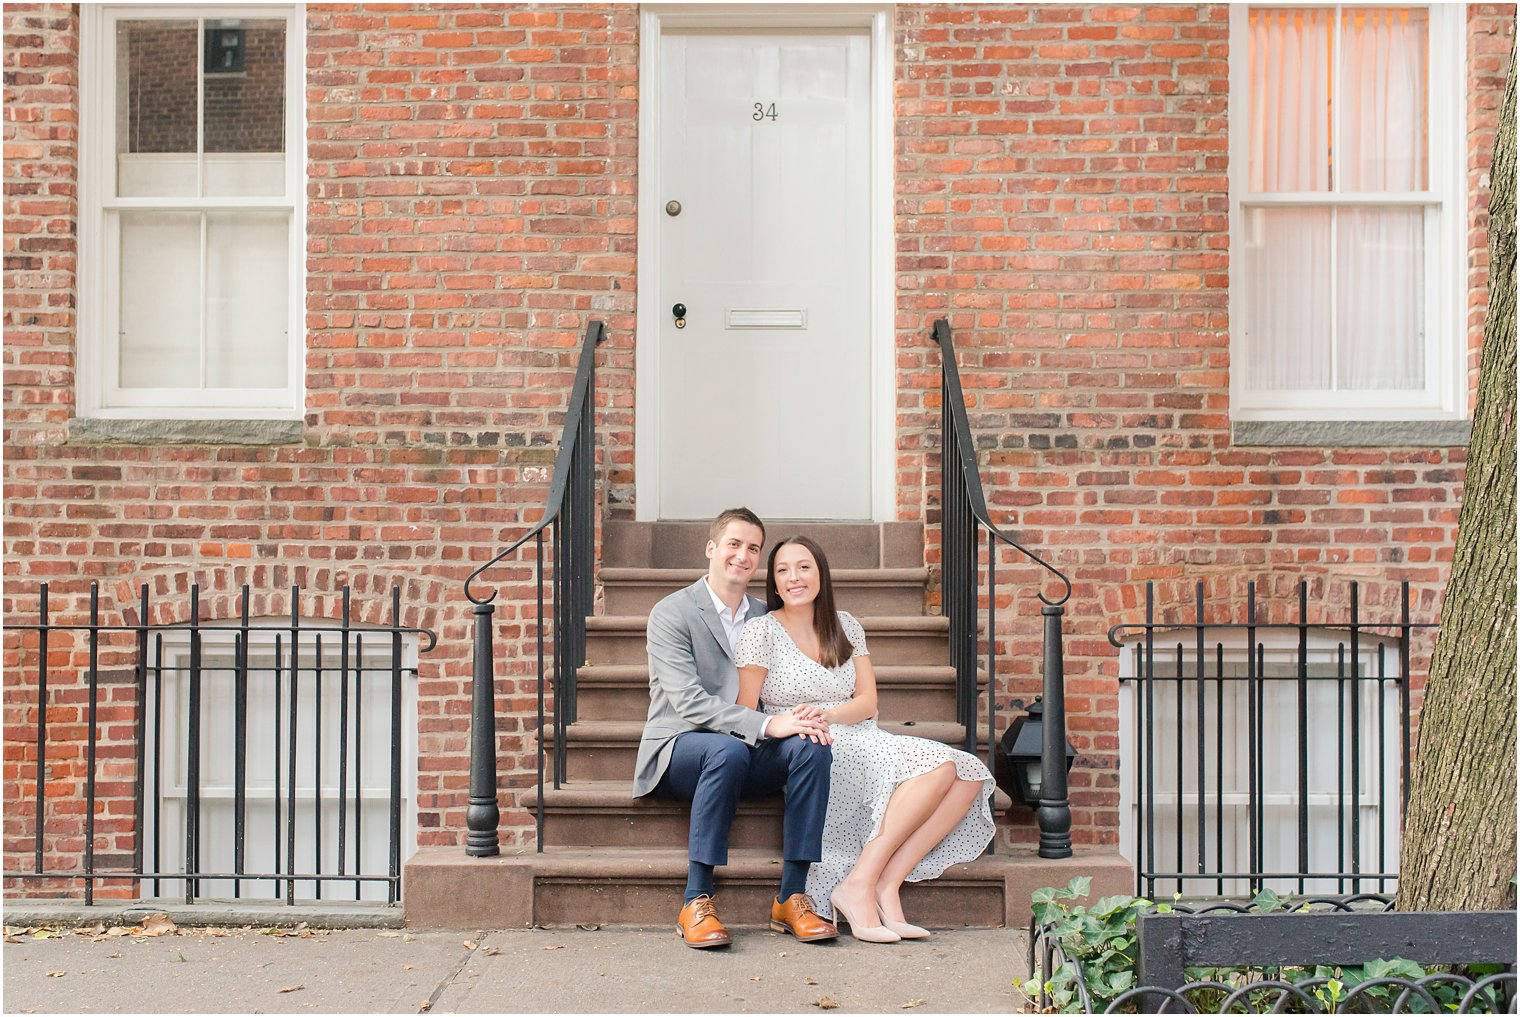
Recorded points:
(797, 916)
(698, 924)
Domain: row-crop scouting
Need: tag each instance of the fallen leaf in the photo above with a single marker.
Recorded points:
(827, 1003)
(408, 938)
(118, 930)
(116, 955)
(406, 967)
(389, 934)
(44, 934)
(588, 926)
(470, 944)
(491, 951)
(158, 925)
(754, 978)
(810, 981)
(55, 974)
(89, 930)
(425, 1006)
(14, 939)
(557, 946)
(910, 1004)
(293, 988)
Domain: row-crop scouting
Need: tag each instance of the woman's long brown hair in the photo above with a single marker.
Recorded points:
(833, 645)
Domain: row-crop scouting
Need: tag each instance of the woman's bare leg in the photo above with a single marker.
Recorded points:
(914, 801)
(952, 809)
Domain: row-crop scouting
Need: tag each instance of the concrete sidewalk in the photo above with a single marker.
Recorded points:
(519, 971)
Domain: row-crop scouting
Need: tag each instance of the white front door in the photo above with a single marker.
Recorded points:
(765, 393)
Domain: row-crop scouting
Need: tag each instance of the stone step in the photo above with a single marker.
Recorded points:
(633, 591)
(895, 639)
(606, 749)
(447, 889)
(620, 691)
(680, 544)
(604, 813)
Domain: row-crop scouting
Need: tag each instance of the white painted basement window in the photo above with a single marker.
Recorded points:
(355, 754)
(1348, 199)
(191, 220)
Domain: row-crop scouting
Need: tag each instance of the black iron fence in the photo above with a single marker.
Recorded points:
(964, 520)
(570, 520)
(1266, 755)
(231, 796)
(1351, 954)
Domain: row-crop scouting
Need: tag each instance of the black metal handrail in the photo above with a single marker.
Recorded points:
(964, 516)
(289, 655)
(570, 518)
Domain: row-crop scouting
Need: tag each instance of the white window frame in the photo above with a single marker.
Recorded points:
(1444, 396)
(98, 355)
(217, 796)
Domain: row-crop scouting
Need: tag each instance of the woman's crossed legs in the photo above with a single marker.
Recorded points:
(920, 813)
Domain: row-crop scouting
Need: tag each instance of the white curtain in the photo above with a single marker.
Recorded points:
(1367, 133)
(1290, 100)
(1380, 252)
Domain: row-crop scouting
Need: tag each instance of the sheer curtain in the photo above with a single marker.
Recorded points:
(1338, 104)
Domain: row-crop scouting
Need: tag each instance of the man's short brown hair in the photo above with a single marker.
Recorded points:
(734, 515)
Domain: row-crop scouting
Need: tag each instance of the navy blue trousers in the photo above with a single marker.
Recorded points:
(713, 771)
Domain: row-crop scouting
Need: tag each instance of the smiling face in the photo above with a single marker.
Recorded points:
(733, 556)
(796, 575)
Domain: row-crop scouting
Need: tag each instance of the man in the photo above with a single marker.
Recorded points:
(700, 746)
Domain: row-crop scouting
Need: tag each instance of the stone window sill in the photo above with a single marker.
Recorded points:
(100, 431)
(1352, 433)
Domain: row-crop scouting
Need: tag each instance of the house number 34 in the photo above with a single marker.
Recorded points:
(764, 112)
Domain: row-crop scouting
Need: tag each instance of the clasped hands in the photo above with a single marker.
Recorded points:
(804, 720)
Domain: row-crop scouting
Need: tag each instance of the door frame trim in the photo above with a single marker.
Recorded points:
(653, 20)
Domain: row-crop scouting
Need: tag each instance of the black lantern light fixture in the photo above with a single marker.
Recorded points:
(1020, 753)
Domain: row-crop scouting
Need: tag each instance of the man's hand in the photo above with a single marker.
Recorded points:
(784, 725)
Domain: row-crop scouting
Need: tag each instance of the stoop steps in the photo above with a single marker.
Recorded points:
(611, 859)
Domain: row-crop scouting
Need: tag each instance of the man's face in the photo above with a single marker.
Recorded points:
(733, 557)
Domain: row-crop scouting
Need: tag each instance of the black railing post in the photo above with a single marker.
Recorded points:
(1055, 810)
(570, 515)
(483, 815)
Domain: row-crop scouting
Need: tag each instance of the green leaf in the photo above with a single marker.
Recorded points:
(1265, 902)
(1044, 895)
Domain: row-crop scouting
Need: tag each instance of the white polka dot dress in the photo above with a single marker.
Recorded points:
(868, 764)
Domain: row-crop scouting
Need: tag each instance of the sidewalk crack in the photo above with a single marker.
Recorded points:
(452, 976)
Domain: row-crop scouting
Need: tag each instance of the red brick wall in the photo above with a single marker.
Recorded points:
(1062, 188)
(1061, 194)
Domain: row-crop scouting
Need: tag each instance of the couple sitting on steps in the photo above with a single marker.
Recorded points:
(744, 703)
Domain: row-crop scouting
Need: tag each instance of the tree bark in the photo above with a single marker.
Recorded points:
(1458, 851)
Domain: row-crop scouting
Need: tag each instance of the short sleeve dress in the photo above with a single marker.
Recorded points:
(868, 764)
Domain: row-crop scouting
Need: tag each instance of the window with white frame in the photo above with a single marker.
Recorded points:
(191, 215)
(331, 728)
(1180, 726)
(1347, 187)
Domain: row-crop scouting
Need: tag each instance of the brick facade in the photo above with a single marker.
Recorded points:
(1061, 195)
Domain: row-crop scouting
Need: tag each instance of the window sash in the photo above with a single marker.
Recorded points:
(101, 393)
(1443, 395)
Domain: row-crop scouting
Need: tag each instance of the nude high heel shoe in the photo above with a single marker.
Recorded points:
(905, 930)
(871, 934)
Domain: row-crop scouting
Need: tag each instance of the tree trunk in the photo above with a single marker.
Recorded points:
(1458, 850)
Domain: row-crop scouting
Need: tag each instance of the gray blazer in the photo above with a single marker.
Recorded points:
(692, 681)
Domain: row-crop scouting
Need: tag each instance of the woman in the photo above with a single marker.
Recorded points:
(899, 808)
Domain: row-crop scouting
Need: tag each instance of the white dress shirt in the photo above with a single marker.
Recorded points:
(733, 624)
